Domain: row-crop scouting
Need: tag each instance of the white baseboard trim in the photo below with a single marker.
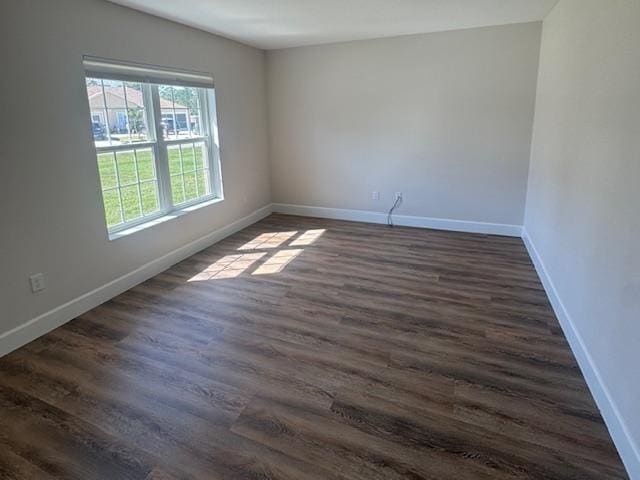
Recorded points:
(58, 316)
(624, 442)
(400, 220)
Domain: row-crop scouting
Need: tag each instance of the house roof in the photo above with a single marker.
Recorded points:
(134, 97)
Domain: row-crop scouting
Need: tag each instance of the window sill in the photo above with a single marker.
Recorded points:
(164, 218)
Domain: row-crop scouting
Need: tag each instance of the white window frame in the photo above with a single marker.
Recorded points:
(159, 145)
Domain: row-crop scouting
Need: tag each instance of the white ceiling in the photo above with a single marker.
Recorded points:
(270, 24)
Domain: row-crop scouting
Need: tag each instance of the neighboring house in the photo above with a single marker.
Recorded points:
(174, 117)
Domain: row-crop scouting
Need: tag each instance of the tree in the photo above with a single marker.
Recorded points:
(136, 120)
(181, 95)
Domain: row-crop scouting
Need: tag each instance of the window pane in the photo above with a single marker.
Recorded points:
(191, 100)
(98, 112)
(146, 165)
(149, 191)
(136, 112)
(188, 161)
(118, 125)
(195, 125)
(107, 169)
(189, 172)
(112, 207)
(118, 112)
(126, 168)
(190, 186)
(200, 156)
(177, 189)
(202, 182)
(181, 111)
(136, 198)
(174, 159)
(169, 120)
(131, 203)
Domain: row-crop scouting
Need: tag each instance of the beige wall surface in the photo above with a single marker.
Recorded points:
(583, 203)
(444, 118)
(52, 220)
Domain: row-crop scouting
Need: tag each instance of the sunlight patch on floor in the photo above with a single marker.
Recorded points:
(268, 240)
(232, 266)
(307, 238)
(277, 261)
(229, 266)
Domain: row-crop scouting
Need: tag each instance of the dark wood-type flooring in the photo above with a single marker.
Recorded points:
(303, 348)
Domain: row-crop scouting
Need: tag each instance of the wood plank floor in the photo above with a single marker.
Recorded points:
(303, 348)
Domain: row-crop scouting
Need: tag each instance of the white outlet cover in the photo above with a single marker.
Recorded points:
(37, 282)
(375, 195)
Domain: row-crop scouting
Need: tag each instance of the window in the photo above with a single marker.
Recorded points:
(155, 133)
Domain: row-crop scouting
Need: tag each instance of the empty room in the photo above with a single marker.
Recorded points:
(335, 239)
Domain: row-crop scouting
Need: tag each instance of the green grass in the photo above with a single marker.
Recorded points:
(119, 179)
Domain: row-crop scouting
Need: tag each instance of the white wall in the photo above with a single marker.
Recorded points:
(583, 203)
(52, 217)
(445, 118)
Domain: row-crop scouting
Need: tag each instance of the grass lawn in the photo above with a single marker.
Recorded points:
(119, 173)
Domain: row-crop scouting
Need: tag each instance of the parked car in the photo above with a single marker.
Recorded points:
(98, 131)
(169, 127)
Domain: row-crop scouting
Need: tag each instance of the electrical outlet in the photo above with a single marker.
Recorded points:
(37, 282)
(399, 195)
(375, 195)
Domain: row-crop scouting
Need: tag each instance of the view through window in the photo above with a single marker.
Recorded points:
(156, 146)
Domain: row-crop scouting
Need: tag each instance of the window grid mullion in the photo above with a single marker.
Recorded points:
(135, 159)
(106, 111)
(126, 110)
(175, 115)
(120, 203)
(161, 153)
(184, 188)
(199, 112)
(195, 168)
(143, 182)
(188, 115)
